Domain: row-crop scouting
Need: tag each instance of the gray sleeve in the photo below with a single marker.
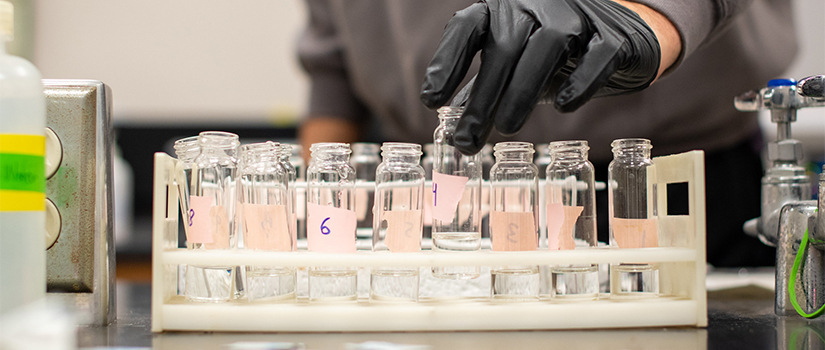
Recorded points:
(322, 55)
(698, 21)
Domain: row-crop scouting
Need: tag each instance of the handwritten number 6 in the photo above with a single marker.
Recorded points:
(324, 229)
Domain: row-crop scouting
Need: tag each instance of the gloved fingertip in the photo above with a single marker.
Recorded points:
(568, 101)
(466, 144)
(431, 99)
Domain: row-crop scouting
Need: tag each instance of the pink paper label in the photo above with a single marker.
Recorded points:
(635, 233)
(361, 202)
(428, 207)
(403, 230)
(198, 220)
(561, 222)
(447, 191)
(266, 227)
(220, 228)
(513, 231)
(330, 229)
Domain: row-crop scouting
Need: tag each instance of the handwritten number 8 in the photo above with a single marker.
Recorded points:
(324, 229)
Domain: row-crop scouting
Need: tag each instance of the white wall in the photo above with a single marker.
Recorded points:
(178, 61)
(184, 61)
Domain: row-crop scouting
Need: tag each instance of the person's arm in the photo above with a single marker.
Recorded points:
(326, 129)
(334, 112)
(670, 41)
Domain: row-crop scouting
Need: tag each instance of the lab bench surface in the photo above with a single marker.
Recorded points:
(739, 318)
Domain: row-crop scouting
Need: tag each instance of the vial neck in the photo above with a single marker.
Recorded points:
(514, 156)
(402, 158)
(631, 149)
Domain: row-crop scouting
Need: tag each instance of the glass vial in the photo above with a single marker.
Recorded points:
(284, 152)
(264, 219)
(186, 149)
(487, 162)
(212, 213)
(427, 164)
(365, 160)
(331, 219)
(456, 193)
(631, 196)
(296, 159)
(514, 218)
(399, 209)
(571, 218)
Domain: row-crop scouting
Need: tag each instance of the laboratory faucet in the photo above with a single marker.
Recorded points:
(787, 208)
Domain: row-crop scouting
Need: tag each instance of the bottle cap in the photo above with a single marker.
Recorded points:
(6, 19)
(781, 82)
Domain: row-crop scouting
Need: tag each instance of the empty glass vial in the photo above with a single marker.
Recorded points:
(514, 218)
(212, 213)
(487, 161)
(542, 160)
(365, 160)
(631, 205)
(331, 219)
(456, 193)
(263, 202)
(296, 158)
(427, 164)
(399, 209)
(571, 218)
(284, 161)
(186, 149)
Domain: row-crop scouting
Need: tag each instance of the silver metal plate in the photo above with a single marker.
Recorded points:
(80, 265)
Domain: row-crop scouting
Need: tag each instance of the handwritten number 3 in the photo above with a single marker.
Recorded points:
(324, 229)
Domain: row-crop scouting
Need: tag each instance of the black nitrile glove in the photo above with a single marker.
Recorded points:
(564, 50)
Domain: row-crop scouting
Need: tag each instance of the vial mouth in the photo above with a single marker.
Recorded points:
(333, 148)
(450, 112)
(401, 148)
(220, 139)
(631, 143)
(567, 146)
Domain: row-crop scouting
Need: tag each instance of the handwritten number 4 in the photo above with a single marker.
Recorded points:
(324, 229)
(435, 194)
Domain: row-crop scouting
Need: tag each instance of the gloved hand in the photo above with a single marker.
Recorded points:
(564, 50)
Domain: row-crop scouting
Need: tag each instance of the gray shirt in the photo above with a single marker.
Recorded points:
(366, 61)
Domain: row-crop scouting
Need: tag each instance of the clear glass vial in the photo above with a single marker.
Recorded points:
(264, 219)
(284, 153)
(456, 193)
(186, 150)
(514, 218)
(212, 213)
(399, 209)
(296, 160)
(571, 218)
(631, 206)
(331, 219)
(427, 164)
(365, 160)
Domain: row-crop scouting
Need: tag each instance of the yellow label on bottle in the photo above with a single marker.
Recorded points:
(22, 172)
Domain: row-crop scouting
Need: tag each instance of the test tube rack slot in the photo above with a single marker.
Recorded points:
(681, 258)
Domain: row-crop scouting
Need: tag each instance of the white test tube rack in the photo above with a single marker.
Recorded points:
(680, 257)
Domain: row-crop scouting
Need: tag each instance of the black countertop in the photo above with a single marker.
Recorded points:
(738, 318)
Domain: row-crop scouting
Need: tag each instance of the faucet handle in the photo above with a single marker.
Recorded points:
(813, 86)
(782, 99)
